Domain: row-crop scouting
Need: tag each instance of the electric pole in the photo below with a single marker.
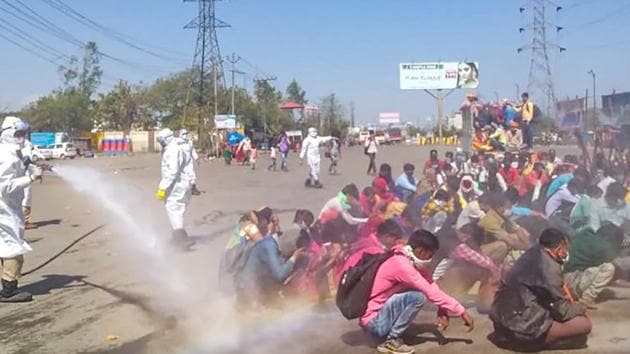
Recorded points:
(352, 114)
(595, 122)
(233, 60)
(207, 55)
(540, 83)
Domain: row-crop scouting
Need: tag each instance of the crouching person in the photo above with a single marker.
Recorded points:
(264, 273)
(401, 287)
(533, 308)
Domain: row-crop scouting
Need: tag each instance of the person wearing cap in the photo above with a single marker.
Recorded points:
(514, 138)
(175, 186)
(13, 181)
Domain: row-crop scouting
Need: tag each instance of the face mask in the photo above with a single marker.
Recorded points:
(565, 259)
(417, 262)
(440, 203)
(507, 213)
(514, 165)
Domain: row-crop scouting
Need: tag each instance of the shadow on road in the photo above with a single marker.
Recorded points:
(53, 281)
(47, 222)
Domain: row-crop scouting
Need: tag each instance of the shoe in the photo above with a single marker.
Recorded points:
(307, 183)
(10, 293)
(30, 226)
(317, 185)
(181, 241)
(194, 190)
(394, 346)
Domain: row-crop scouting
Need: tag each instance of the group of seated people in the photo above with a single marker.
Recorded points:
(507, 225)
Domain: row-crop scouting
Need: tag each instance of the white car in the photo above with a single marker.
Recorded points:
(41, 153)
(63, 150)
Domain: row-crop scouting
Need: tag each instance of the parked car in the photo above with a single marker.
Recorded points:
(63, 150)
(41, 153)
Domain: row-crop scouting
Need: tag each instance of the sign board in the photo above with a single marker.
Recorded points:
(389, 118)
(225, 121)
(439, 75)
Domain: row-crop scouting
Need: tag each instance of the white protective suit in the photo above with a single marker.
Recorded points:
(13, 181)
(27, 153)
(174, 180)
(187, 145)
(310, 150)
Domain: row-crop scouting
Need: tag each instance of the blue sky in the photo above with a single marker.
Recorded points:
(349, 47)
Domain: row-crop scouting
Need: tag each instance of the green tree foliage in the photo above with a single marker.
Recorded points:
(332, 115)
(272, 118)
(122, 108)
(295, 93)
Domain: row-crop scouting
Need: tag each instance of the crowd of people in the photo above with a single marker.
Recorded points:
(504, 126)
(507, 222)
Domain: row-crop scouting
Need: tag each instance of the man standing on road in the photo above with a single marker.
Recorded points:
(371, 148)
(175, 186)
(192, 159)
(13, 181)
(527, 114)
(310, 150)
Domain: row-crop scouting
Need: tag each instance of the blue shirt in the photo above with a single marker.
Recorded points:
(406, 182)
(521, 211)
(558, 182)
(510, 115)
(264, 269)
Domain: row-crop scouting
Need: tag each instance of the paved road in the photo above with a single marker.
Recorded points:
(113, 293)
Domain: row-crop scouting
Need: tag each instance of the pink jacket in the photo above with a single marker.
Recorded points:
(397, 275)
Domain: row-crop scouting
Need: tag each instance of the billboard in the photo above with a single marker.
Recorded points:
(571, 113)
(225, 121)
(434, 76)
(616, 107)
(389, 118)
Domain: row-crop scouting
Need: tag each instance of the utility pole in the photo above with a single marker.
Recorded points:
(440, 112)
(595, 122)
(352, 114)
(233, 60)
(207, 54)
(258, 82)
(540, 82)
(518, 92)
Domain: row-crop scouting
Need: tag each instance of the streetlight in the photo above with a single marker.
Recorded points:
(518, 91)
(591, 72)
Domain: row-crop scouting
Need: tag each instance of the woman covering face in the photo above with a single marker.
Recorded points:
(468, 75)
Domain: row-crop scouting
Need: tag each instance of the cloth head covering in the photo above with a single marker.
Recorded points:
(165, 136)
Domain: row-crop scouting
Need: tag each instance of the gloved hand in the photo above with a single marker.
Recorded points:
(36, 173)
(161, 194)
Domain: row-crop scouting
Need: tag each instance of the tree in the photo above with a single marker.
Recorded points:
(295, 93)
(332, 115)
(86, 78)
(268, 100)
(63, 110)
(123, 108)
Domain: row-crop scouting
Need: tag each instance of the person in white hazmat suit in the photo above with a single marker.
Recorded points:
(27, 153)
(193, 158)
(310, 150)
(175, 186)
(13, 181)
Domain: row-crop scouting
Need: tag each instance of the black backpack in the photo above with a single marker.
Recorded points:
(356, 284)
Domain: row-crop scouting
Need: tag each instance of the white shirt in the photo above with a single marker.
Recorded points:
(371, 145)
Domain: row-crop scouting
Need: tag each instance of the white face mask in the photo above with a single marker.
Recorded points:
(417, 262)
(507, 213)
(565, 259)
(440, 203)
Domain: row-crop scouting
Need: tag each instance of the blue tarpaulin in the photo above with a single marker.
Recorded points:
(234, 138)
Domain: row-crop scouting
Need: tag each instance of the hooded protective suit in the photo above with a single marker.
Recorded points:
(310, 150)
(192, 156)
(175, 185)
(27, 153)
(13, 181)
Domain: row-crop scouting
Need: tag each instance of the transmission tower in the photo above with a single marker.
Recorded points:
(540, 83)
(207, 57)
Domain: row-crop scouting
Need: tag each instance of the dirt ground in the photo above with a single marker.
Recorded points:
(101, 296)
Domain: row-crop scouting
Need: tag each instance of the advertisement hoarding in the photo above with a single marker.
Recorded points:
(389, 118)
(225, 121)
(439, 75)
(570, 112)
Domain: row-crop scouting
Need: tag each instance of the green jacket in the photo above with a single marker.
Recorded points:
(587, 250)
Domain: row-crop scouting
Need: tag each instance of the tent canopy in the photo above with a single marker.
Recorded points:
(291, 105)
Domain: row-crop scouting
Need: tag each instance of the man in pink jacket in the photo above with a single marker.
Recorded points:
(401, 287)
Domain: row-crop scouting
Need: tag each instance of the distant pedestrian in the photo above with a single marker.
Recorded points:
(527, 114)
(283, 148)
(253, 154)
(334, 152)
(371, 148)
(272, 154)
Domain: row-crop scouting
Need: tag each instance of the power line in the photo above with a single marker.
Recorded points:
(68, 11)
